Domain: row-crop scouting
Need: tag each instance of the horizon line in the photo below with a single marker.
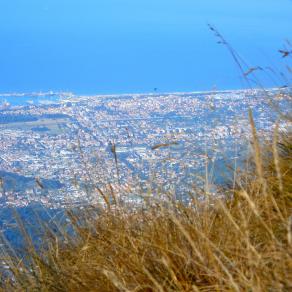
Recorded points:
(51, 92)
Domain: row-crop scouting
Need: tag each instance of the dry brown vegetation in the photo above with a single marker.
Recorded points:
(242, 242)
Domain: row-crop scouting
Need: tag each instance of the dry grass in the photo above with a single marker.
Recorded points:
(243, 243)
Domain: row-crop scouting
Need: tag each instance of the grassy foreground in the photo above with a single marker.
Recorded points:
(239, 242)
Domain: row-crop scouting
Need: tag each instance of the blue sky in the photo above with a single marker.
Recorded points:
(118, 46)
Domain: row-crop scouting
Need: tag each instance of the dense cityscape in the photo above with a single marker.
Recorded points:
(62, 149)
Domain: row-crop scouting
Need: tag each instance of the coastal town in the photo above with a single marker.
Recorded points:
(68, 149)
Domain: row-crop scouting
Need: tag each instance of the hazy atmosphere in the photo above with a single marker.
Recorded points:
(146, 145)
(118, 46)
